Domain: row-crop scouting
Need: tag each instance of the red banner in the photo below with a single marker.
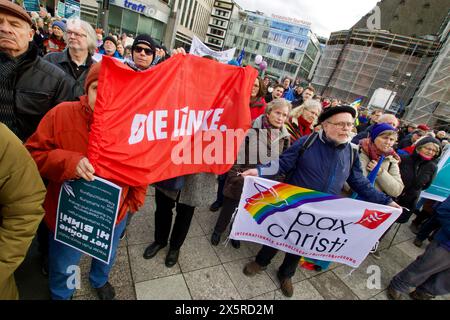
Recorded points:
(183, 116)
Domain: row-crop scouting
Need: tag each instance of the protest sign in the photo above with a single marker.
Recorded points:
(86, 216)
(198, 48)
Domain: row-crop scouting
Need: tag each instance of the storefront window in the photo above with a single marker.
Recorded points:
(130, 21)
(115, 19)
(145, 25)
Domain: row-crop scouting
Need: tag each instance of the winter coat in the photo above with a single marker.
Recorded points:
(417, 175)
(325, 167)
(298, 128)
(62, 60)
(362, 135)
(57, 146)
(52, 44)
(22, 193)
(250, 151)
(39, 86)
(388, 179)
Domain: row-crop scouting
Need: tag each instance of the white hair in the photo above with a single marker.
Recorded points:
(90, 32)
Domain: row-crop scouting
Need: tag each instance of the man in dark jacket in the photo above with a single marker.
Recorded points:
(325, 166)
(429, 274)
(77, 58)
(410, 139)
(29, 86)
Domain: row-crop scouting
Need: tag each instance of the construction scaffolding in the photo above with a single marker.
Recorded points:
(431, 104)
(356, 62)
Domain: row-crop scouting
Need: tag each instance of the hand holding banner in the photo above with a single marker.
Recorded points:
(310, 223)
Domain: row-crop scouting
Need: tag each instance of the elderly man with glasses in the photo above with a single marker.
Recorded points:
(76, 60)
(325, 166)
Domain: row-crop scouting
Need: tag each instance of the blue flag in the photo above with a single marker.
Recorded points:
(241, 57)
(372, 176)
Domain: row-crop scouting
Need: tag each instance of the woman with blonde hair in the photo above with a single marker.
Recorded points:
(302, 119)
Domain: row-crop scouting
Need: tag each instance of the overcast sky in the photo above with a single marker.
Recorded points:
(325, 16)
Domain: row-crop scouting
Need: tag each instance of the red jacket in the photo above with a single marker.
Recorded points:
(52, 44)
(59, 143)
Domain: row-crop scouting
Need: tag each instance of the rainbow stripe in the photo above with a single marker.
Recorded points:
(357, 103)
(281, 197)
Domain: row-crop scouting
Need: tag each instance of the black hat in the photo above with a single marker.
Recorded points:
(329, 112)
(110, 38)
(425, 140)
(144, 39)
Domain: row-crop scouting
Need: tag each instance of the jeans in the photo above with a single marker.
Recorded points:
(429, 273)
(62, 256)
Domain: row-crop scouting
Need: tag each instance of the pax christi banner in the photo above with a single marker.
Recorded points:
(310, 223)
(186, 115)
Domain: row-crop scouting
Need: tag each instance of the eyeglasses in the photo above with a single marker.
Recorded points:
(430, 149)
(75, 34)
(147, 51)
(342, 124)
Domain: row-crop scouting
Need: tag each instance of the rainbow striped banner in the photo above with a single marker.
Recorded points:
(309, 223)
(281, 197)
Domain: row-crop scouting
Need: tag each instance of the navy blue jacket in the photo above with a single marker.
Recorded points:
(325, 167)
(443, 215)
(362, 135)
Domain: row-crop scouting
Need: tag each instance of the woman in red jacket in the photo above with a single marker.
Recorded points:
(59, 147)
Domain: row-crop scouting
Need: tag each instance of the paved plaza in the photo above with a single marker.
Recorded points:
(204, 271)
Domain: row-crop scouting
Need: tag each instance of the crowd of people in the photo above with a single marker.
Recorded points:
(48, 88)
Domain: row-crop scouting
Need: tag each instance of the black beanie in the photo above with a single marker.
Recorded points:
(144, 39)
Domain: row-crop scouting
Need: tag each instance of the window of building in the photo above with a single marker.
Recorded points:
(242, 28)
(257, 45)
(235, 40)
(129, 21)
(292, 55)
(265, 34)
(250, 30)
(246, 43)
(280, 52)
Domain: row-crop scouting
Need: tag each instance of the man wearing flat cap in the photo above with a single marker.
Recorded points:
(325, 165)
(29, 86)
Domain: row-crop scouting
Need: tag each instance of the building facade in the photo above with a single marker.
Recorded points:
(412, 18)
(357, 62)
(218, 24)
(188, 18)
(431, 103)
(288, 45)
(139, 16)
